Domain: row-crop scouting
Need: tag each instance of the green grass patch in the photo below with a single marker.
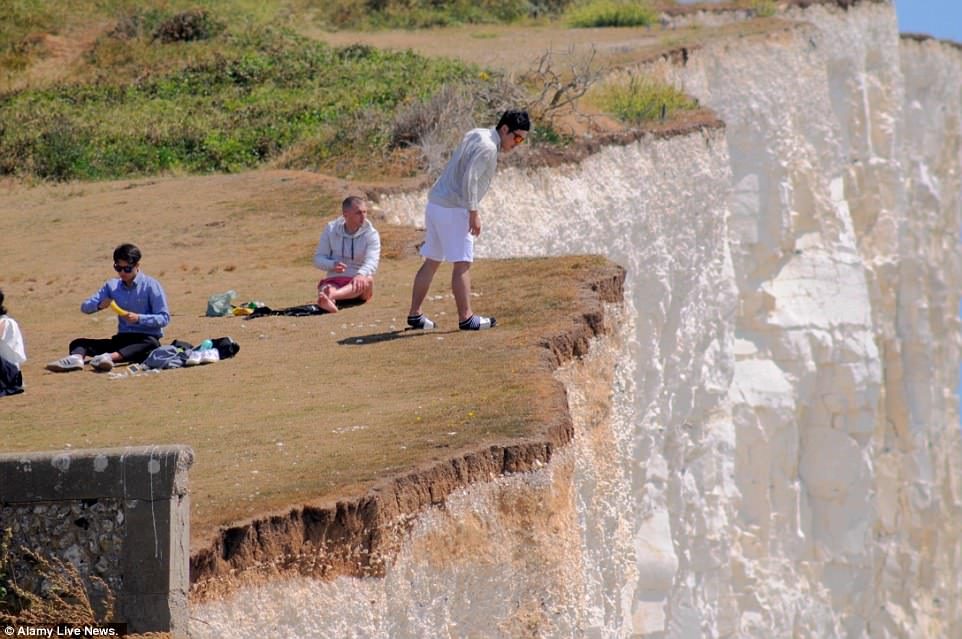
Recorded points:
(764, 8)
(641, 99)
(263, 93)
(420, 14)
(610, 13)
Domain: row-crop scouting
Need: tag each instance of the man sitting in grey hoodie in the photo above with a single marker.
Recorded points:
(349, 250)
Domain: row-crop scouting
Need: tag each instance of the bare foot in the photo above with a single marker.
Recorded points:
(326, 303)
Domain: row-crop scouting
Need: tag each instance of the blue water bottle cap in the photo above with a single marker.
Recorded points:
(205, 345)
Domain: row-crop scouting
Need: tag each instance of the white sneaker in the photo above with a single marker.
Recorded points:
(102, 362)
(193, 358)
(65, 364)
(421, 322)
(209, 356)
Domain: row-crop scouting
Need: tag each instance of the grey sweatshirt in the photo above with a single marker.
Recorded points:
(361, 251)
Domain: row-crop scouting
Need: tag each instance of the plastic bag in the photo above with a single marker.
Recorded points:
(219, 304)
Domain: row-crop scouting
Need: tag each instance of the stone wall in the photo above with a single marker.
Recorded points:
(119, 514)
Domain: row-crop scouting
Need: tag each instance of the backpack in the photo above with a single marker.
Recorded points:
(166, 357)
(226, 347)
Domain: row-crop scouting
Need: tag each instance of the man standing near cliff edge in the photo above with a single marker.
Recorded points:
(452, 220)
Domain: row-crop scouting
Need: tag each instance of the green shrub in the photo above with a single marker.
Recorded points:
(610, 13)
(188, 26)
(764, 8)
(642, 100)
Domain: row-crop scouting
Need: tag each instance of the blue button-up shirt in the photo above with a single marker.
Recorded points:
(145, 296)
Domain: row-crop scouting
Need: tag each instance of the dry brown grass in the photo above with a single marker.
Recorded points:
(311, 408)
(62, 595)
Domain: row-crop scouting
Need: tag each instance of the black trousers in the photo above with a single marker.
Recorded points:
(11, 380)
(133, 347)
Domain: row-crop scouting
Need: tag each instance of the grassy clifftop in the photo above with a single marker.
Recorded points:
(311, 409)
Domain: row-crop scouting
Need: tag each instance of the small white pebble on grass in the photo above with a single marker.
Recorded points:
(333, 333)
(453, 432)
(348, 429)
(279, 444)
(440, 337)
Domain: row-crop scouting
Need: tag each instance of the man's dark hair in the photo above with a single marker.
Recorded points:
(351, 202)
(516, 120)
(3, 309)
(128, 253)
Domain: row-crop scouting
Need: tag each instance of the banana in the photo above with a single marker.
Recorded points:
(116, 309)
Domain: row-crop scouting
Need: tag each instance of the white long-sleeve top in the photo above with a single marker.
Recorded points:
(468, 173)
(360, 251)
(11, 341)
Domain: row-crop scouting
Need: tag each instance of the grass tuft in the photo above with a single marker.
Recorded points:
(642, 99)
(610, 13)
(764, 8)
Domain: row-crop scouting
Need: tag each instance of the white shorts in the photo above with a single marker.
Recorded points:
(447, 238)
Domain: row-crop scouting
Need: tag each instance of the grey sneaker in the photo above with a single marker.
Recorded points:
(102, 362)
(66, 364)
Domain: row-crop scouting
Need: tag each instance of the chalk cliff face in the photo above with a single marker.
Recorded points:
(768, 443)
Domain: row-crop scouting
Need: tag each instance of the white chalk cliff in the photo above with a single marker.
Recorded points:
(768, 442)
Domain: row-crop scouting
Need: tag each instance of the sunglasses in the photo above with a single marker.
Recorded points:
(124, 269)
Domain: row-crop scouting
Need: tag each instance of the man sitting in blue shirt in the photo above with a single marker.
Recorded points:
(141, 306)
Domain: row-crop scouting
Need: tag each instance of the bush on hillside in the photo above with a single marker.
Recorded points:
(188, 26)
(642, 99)
(435, 124)
(764, 8)
(610, 13)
